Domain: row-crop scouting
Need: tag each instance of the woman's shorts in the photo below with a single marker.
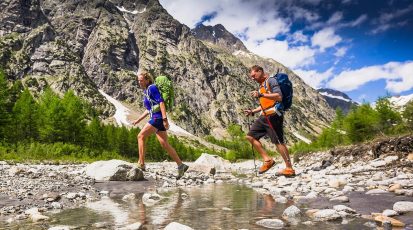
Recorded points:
(157, 123)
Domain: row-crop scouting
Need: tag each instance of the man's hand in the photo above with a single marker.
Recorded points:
(255, 94)
(248, 112)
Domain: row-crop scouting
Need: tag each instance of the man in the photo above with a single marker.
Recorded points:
(270, 121)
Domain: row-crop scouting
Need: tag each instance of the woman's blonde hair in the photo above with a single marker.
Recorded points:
(147, 76)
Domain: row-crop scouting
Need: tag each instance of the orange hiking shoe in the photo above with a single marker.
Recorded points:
(287, 172)
(266, 166)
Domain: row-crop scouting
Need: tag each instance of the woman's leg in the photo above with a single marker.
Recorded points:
(163, 140)
(147, 130)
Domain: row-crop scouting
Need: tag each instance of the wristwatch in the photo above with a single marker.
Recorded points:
(165, 119)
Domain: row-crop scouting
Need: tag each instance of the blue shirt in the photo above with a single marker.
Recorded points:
(155, 99)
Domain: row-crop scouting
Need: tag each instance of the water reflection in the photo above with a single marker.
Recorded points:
(208, 207)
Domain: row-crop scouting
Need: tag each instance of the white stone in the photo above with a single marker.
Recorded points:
(311, 195)
(113, 170)
(291, 212)
(342, 199)
(376, 191)
(403, 206)
(271, 223)
(150, 199)
(343, 208)
(389, 212)
(177, 226)
(134, 226)
(59, 228)
(38, 217)
(326, 214)
(130, 196)
(390, 159)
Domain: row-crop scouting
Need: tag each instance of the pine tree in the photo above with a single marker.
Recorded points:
(25, 118)
(389, 118)
(4, 107)
(362, 123)
(408, 115)
(53, 120)
(74, 118)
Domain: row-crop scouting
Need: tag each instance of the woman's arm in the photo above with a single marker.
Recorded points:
(144, 114)
(164, 117)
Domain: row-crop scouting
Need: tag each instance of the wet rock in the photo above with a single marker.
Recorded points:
(150, 199)
(177, 226)
(394, 222)
(211, 164)
(134, 226)
(291, 212)
(389, 212)
(323, 215)
(376, 191)
(403, 206)
(271, 223)
(311, 195)
(343, 208)
(56, 205)
(130, 196)
(342, 199)
(113, 170)
(60, 228)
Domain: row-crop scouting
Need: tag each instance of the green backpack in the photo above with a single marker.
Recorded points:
(165, 86)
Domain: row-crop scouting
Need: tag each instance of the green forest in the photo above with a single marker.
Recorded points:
(65, 128)
(363, 123)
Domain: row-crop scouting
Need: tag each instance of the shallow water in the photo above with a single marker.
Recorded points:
(224, 206)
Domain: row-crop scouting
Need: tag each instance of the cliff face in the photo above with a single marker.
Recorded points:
(101, 44)
(337, 99)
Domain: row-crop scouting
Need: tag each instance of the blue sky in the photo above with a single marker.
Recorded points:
(363, 48)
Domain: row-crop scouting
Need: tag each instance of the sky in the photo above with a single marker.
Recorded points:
(362, 48)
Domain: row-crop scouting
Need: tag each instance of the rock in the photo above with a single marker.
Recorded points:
(325, 215)
(280, 199)
(134, 226)
(59, 228)
(394, 187)
(130, 196)
(342, 199)
(150, 199)
(100, 225)
(343, 208)
(113, 170)
(177, 226)
(271, 223)
(56, 205)
(403, 206)
(378, 163)
(334, 183)
(311, 195)
(370, 224)
(38, 217)
(291, 212)
(389, 212)
(211, 164)
(410, 157)
(257, 184)
(376, 191)
(393, 221)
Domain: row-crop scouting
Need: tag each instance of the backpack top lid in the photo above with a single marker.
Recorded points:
(165, 86)
(286, 87)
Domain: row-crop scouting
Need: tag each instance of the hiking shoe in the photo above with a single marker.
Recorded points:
(266, 166)
(287, 172)
(142, 167)
(181, 170)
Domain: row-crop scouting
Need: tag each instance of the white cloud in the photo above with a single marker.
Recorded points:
(340, 52)
(280, 51)
(336, 17)
(313, 78)
(398, 76)
(325, 38)
(298, 37)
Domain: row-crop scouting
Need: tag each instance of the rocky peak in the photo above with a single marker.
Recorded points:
(337, 99)
(220, 36)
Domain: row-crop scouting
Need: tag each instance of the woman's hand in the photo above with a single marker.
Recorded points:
(135, 122)
(166, 124)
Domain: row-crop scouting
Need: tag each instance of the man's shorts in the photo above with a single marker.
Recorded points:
(157, 123)
(261, 128)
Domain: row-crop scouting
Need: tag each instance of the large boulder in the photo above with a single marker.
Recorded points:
(113, 170)
(211, 164)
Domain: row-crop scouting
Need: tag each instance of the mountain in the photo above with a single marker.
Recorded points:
(399, 102)
(95, 45)
(337, 99)
(220, 36)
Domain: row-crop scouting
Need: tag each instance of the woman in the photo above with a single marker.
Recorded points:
(158, 122)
